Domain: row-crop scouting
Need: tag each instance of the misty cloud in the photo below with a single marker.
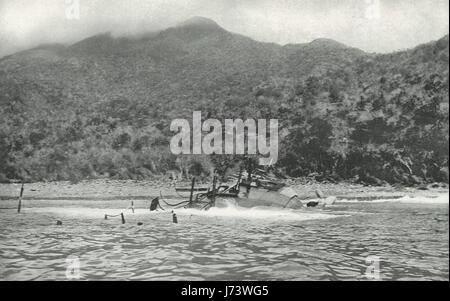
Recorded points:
(393, 25)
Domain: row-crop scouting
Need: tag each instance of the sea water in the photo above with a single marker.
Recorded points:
(406, 239)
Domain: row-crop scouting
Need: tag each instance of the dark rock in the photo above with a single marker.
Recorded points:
(422, 187)
(444, 174)
(3, 178)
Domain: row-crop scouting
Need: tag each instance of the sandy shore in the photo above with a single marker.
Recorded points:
(116, 189)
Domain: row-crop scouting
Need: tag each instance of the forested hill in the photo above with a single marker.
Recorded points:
(102, 107)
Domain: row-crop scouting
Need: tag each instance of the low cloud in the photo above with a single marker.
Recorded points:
(371, 25)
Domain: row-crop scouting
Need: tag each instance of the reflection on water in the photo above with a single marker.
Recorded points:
(412, 241)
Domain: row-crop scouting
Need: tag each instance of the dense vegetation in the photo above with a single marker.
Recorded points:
(102, 107)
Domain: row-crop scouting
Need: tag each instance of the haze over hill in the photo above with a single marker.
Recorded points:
(374, 26)
(102, 106)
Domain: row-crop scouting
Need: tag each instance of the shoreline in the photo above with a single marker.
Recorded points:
(105, 189)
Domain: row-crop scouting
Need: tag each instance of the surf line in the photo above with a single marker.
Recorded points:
(235, 133)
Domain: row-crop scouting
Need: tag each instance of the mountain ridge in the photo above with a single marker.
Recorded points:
(207, 25)
(199, 22)
(108, 101)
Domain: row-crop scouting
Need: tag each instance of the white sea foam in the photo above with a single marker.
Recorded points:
(259, 213)
(442, 198)
(230, 211)
(80, 212)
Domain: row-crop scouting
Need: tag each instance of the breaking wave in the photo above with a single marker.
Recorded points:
(228, 209)
(269, 213)
(432, 199)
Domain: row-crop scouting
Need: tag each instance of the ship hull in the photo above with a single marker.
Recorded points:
(246, 196)
(284, 197)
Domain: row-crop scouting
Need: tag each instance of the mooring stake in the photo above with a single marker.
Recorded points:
(132, 206)
(123, 218)
(239, 178)
(174, 218)
(106, 216)
(19, 207)
(192, 191)
(213, 198)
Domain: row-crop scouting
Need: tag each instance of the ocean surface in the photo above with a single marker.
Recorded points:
(397, 239)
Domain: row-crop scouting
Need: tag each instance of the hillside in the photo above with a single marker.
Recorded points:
(102, 106)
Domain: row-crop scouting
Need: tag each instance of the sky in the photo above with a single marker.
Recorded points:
(371, 25)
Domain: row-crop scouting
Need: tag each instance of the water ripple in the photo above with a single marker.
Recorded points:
(411, 241)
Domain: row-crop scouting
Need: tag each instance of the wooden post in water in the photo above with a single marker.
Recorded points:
(249, 178)
(238, 187)
(174, 218)
(132, 206)
(213, 197)
(123, 218)
(192, 191)
(19, 207)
